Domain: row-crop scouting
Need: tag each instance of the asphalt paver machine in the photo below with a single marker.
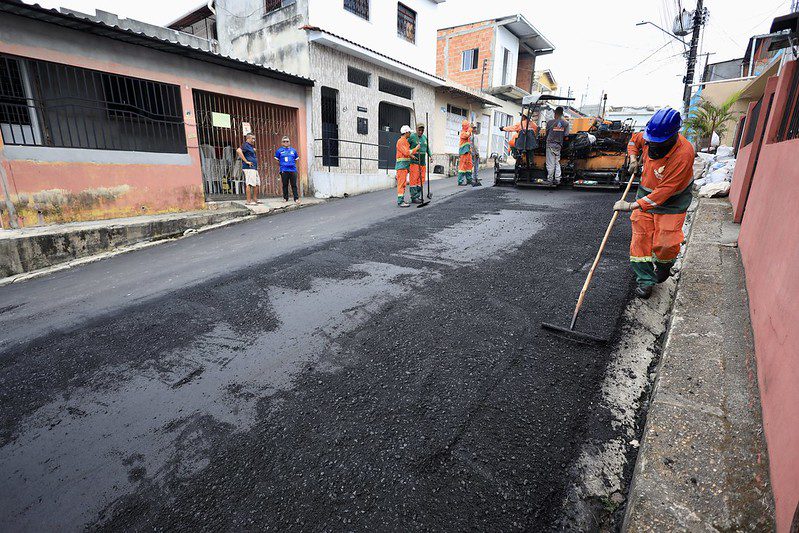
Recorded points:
(594, 154)
(529, 151)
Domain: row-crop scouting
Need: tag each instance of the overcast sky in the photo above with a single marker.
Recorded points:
(598, 47)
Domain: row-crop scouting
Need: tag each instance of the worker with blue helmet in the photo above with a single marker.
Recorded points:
(658, 213)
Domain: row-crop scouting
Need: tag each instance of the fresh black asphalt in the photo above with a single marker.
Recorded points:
(347, 367)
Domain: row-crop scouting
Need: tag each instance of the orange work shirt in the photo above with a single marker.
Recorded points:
(665, 182)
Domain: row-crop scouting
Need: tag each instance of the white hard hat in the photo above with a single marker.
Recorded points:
(405, 129)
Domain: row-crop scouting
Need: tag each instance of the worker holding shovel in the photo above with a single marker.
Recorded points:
(418, 163)
(664, 195)
(404, 154)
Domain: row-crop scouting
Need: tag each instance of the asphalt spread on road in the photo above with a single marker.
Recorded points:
(396, 379)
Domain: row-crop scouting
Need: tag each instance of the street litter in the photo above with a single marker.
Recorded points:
(716, 170)
(715, 190)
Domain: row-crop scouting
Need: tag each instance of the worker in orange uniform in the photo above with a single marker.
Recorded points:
(465, 163)
(403, 164)
(664, 195)
(526, 124)
(512, 145)
(635, 149)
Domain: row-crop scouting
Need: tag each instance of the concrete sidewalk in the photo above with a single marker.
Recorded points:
(24, 251)
(702, 464)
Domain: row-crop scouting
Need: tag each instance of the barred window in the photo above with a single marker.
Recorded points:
(274, 5)
(406, 23)
(50, 104)
(13, 104)
(755, 116)
(469, 59)
(358, 7)
(397, 89)
(457, 111)
(358, 76)
(789, 123)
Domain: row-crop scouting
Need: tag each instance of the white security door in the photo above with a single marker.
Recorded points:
(455, 116)
(485, 134)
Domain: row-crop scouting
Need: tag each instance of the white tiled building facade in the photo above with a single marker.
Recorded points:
(372, 60)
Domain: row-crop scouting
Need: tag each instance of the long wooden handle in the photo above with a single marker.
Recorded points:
(598, 256)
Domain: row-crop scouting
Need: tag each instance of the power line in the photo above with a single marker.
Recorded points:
(664, 61)
(724, 31)
(770, 15)
(644, 60)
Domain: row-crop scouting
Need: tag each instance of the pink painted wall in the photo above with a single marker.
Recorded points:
(156, 187)
(769, 243)
(739, 177)
(742, 179)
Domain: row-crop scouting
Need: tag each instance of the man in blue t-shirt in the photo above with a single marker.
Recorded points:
(288, 157)
(249, 165)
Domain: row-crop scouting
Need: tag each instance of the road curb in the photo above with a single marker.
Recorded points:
(702, 462)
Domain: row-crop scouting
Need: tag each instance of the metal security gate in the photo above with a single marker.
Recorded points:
(222, 122)
(330, 140)
(390, 119)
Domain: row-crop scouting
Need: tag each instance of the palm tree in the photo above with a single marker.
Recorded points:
(707, 117)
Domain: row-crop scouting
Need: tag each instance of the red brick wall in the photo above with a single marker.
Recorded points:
(452, 42)
(524, 72)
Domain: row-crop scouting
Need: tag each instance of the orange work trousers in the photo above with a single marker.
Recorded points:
(402, 178)
(656, 237)
(655, 245)
(418, 173)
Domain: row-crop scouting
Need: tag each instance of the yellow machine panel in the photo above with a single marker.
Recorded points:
(582, 124)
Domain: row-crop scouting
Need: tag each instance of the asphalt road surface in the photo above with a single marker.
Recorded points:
(350, 366)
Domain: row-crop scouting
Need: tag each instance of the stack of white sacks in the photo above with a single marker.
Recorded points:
(714, 172)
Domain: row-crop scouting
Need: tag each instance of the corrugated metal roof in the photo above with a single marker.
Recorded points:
(97, 27)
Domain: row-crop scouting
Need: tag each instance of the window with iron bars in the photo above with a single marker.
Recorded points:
(358, 76)
(406, 23)
(50, 104)
(358, 7)
(752, 120)
(789, 125)
(392, 87)
(274, 5)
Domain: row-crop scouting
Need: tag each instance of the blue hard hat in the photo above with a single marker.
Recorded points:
(663, 125)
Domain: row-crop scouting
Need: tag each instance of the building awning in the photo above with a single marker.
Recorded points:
(788, 22)
(510, 93)
(470, 95)
(756, 87)
(337, 42)
(530, 39)
(552, 85)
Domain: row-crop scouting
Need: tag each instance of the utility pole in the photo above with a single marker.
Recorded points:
(699, 17)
